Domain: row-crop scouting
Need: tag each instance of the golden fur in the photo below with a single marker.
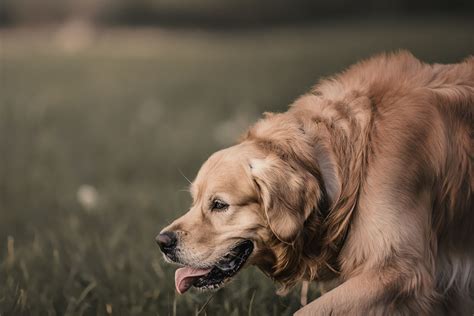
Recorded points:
(367, 179)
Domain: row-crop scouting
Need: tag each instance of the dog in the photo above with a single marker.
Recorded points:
(367, 180)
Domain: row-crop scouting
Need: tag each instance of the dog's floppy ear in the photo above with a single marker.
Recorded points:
(289, 195)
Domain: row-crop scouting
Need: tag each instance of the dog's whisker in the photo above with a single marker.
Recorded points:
(184, 176)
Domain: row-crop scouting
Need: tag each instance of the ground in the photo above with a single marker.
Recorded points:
(98, 129)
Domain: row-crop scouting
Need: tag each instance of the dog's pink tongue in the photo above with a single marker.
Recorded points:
(185, 277)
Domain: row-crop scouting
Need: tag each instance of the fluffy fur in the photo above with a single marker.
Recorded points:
(367, 179)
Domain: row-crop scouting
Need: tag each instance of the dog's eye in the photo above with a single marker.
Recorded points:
(218, 205)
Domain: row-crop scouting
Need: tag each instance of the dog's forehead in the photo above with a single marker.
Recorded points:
(224, 170)
(224, 164)
(230, 160)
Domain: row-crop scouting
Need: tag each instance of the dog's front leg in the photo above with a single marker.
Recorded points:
(360, 295)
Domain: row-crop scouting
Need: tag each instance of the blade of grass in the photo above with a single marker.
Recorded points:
(205, 304)
(251, 302)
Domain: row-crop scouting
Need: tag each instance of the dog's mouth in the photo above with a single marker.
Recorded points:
(213, 277)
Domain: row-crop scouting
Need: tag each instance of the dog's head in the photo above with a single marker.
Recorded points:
(249, 207)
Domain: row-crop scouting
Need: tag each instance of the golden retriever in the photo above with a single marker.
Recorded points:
(368, 179)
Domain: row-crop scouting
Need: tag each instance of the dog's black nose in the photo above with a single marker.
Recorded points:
(166, 241)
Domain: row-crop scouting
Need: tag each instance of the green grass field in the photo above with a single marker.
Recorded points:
(128, 111)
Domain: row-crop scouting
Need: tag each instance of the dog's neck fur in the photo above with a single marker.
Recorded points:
(329, 138)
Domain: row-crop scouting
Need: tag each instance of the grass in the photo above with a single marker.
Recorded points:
(125, 112)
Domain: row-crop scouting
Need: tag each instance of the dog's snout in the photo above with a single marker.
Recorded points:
(166, 241)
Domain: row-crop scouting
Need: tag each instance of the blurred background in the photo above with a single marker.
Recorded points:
(106, 106)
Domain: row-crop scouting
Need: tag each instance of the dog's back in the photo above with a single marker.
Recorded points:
(423, 127)
(453, 213)
(438, 106)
